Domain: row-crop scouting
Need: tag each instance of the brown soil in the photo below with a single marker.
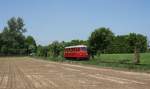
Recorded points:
(29, 73)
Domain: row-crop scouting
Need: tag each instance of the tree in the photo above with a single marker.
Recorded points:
(55, 48)
(16, 25)
(31, 45)
(1, 42)
(148, 46)
(78, 42)
(137, 43)
(13, 38)
(4, 50)
(42, 51)
(119, 45)
(99, 40)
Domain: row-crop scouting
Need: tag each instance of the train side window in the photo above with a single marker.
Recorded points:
(78, 49)
(67, 50)
(71, 49)
(74, 49)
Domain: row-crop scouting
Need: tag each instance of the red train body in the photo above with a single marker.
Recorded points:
(78, 52)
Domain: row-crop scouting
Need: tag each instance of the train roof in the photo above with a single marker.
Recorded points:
(77, 46)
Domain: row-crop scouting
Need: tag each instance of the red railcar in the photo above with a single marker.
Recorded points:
(78, 51)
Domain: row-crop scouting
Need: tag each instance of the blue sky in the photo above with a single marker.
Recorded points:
(49, 20)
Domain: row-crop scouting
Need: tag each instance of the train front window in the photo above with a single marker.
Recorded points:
(84, 49)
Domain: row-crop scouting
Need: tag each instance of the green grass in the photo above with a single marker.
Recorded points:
(124, 58)
(145, 58)
(117, 61)
(121, 61)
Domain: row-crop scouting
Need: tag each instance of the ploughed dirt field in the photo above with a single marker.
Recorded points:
(29, 73)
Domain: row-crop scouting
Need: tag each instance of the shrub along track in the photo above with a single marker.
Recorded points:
(29, 73)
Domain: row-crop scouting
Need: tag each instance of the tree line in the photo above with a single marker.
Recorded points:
(102, 40)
